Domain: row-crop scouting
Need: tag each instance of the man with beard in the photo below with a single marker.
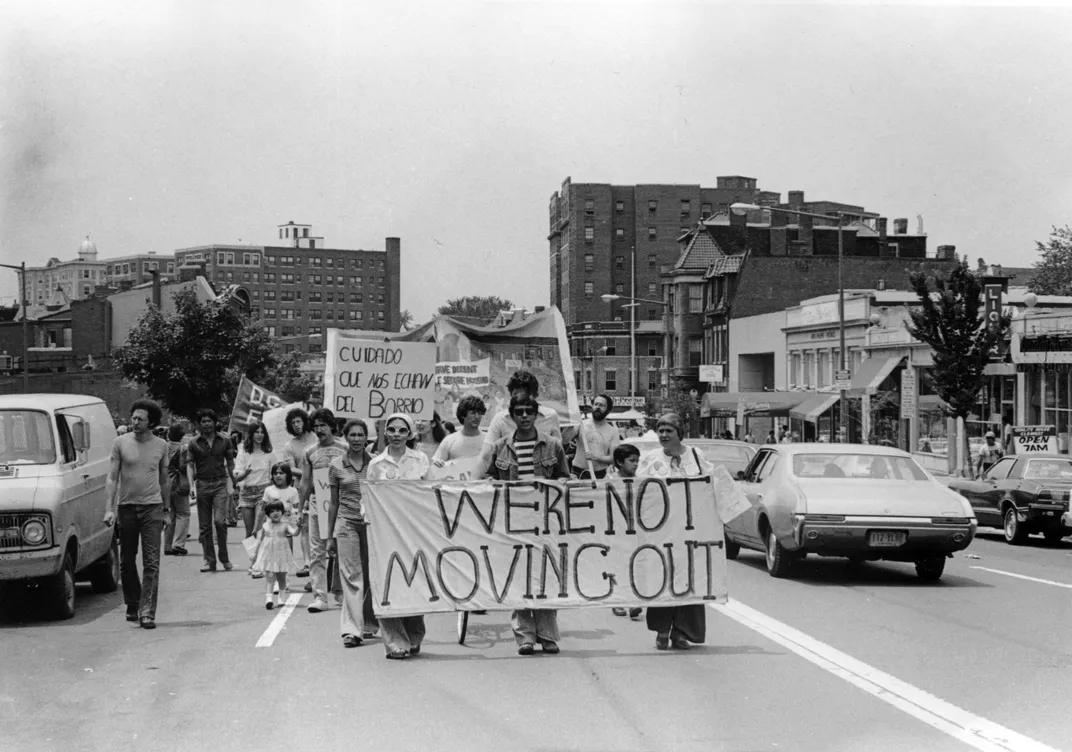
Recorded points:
(597, 441)
(319, 456)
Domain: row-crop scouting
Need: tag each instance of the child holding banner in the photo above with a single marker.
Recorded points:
(402, 636)
(626, 457)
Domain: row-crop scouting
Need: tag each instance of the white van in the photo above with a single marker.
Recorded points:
(54, 456)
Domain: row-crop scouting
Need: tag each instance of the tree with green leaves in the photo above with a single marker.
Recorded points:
(194, 357)
(1053, 273)
(951, 318)
(405, 319)
(289, 381)
(484, 307)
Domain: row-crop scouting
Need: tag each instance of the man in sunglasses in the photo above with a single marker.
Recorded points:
(529, 454)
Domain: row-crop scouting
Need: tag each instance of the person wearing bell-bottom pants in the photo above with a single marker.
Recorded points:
(351, 577)
(318, 558)
(140, 524)
(535, 625)
(402, 633)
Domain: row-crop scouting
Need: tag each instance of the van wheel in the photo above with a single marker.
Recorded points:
(60, 588)
(104, 573)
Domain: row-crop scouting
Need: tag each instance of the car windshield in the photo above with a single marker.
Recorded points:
(26, 438)
(857, 466)
(1049, 470)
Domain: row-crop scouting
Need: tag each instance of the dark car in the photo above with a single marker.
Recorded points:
(1022, 495)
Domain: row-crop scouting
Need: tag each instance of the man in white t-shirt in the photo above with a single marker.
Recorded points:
(598, 439)
(469, 441)
(522, 383)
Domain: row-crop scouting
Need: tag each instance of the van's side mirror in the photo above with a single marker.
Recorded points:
(80, 435)
(740, 475)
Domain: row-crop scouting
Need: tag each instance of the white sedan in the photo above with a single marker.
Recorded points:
(852, 500)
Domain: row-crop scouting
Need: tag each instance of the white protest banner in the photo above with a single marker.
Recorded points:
(1027, 439)
(322, 491)
(464, 376)
(461, 469)
(371, 380)
(436, 546)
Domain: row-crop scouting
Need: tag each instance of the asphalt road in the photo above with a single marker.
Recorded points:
(838, 658)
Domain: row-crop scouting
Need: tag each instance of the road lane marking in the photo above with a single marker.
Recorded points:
(1025, 577)
(971, 729)
(279, 621)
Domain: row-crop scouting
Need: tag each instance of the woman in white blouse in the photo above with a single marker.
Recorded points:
(253, 468)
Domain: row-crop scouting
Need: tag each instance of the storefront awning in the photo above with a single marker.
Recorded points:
(871, 374)
(741, 404)
(811, 408)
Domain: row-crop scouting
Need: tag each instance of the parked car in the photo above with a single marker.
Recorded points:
(732, 455)
(866, 503)
(54, 459)
(1023, 494)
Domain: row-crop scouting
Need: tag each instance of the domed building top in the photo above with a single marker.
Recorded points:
(88, 250)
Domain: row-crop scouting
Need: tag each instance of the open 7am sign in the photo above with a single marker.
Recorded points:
(1029, 439)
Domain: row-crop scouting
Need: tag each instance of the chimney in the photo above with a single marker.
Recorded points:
(739, 221)
(900, 226)
(156, 287)
(807, 233)
(946, 253)
(796, 198)
(881, 222)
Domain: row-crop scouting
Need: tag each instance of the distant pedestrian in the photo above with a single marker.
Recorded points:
(177, 524)
(211, 472)
(139, 493)
(299, 427)
(273, 555)
(749, 437)
(989, 453)
(770, 437)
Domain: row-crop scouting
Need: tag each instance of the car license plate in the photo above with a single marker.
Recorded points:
(887, 539)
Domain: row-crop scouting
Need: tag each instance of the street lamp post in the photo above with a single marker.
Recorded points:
(632, 305)
(741, 208)
(21, 268)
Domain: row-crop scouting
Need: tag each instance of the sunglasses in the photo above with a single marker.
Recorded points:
(525, 411)
(396, 431)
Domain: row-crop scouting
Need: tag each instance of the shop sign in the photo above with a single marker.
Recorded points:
(909, 394)
(1034, 439)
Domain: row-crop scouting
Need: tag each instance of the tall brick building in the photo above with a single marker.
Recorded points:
(300, 288)
(600, 234)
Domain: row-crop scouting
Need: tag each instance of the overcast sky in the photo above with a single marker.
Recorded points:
(153, 126)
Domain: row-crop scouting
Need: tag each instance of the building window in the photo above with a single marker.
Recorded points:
(315, 279)
(589, 289)
(270, 330)
(695, 351)
(589, 206)
(619, 233)
(269, 313)
(619, 289)
(652, 289)
(219, 259)
(341, 281)
(589, 234)
(619, 262)
(316, 262)
(589, 262)
(315, 347)
(651, 233)
(652, 260)
(269, 294)
(316, 314)
(705, 211)
(695, 298)
(619, 206)
(329, 263)
(685, 229)
(269, 277)
(653, 381)
(330, 315)
(686, 207)
(356, 298)
(653, 206)
(610, 379)
(354, 315)
(287, 295)
(357, 263)
(381, 298)
(355, 281)
(379, 315)
(315, 296)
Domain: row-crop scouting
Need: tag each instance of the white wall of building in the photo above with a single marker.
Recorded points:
(128, 306)
(755, 335)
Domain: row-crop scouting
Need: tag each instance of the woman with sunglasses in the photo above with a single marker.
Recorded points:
(675, 626)
(402, 636)
(528, 454)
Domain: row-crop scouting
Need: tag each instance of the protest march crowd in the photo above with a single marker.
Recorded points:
(153, 483)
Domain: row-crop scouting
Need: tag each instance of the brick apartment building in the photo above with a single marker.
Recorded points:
(299, 288)
(601, 234)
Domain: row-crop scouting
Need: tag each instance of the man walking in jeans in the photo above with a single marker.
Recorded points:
(211, 473)
(139, 492)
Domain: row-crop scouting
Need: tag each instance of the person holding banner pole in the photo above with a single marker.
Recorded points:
(299, 427)
(315, 462)
(402, 636)
(675, 626)
(528, 454)
(349, 538)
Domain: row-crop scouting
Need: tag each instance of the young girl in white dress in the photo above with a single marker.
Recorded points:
(274, 556)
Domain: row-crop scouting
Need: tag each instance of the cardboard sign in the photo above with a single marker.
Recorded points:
(321, 498)
(1034, 439)
(436, 547)
(460, 469)
(371, 380)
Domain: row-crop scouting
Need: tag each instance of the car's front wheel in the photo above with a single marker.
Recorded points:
(779, 559)
(1015, 533)
(930, 569)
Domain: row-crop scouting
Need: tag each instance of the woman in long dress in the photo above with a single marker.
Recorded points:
(675, 626)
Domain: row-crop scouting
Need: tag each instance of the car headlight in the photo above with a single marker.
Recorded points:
(34, 532)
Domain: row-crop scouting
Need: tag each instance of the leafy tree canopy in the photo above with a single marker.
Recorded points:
(286, 379)
(952, 323)
(194, 357)
(475, 306)
(1053, 273)
(405, 318)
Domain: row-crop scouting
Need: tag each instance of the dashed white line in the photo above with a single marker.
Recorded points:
(971, 729)
(279, 621)
(1025, 577)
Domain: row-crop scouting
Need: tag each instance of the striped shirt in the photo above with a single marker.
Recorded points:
(348, 479)
(524, 459)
